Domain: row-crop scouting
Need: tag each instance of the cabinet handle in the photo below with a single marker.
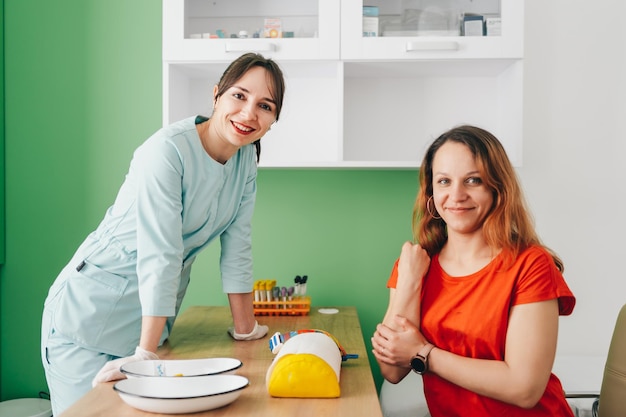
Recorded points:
(244, 46)
(432, 46)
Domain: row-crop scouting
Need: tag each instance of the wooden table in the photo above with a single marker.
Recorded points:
(200, 332)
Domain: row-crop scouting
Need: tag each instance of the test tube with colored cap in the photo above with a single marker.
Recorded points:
(297, 280)
(269, 284)
(262, 293)
(303, 284)
(290, 292)
(255, 287)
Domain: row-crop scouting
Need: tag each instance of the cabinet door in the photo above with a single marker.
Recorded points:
(200, 30)
(419, 78)
(430, 29)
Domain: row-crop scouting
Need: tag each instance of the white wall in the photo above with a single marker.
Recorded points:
(574, 168)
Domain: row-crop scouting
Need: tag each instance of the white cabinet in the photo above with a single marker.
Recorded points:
(353, 101)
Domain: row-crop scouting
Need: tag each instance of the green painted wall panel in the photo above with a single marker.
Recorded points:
(83, 89)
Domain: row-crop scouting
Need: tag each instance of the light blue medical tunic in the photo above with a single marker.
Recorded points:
(174, 201)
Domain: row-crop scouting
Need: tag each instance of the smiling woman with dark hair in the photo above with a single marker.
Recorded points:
(188, 184)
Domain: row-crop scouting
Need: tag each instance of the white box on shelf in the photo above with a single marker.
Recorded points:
(370, 21)
(493, 26)
(370, 26)
(472, 25)
(272, 28)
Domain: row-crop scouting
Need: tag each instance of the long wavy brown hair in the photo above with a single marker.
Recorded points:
(508, 225)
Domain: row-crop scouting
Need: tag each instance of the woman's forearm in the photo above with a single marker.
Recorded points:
(151, 331)
(242, 310)
(402, 304)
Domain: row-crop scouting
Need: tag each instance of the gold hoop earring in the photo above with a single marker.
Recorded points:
(430, 211)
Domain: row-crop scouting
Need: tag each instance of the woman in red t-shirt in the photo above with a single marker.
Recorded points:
(474, 307)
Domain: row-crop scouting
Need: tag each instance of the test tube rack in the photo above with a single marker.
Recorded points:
(297, 306)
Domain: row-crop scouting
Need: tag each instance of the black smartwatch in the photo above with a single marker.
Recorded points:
(419, 362)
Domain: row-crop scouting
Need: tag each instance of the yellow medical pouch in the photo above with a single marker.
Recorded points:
(307, 366)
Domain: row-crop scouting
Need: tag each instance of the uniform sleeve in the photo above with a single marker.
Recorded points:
(158, 169)
(539, 280)
(236, 241)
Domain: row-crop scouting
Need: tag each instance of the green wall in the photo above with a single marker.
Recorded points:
(2, 134)
(82, 90)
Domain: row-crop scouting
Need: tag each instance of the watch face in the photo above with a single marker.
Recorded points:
(418, 364)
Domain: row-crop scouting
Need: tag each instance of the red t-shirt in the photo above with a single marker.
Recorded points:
(469, 315)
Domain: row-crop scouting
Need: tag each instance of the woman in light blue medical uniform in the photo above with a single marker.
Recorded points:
(188, 184)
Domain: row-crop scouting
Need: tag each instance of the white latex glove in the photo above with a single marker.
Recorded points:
(257, 332)
(111, 370)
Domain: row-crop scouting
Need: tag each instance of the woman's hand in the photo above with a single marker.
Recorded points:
(397, 346)
(257, 332)
(111, 371)
(412, 267)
